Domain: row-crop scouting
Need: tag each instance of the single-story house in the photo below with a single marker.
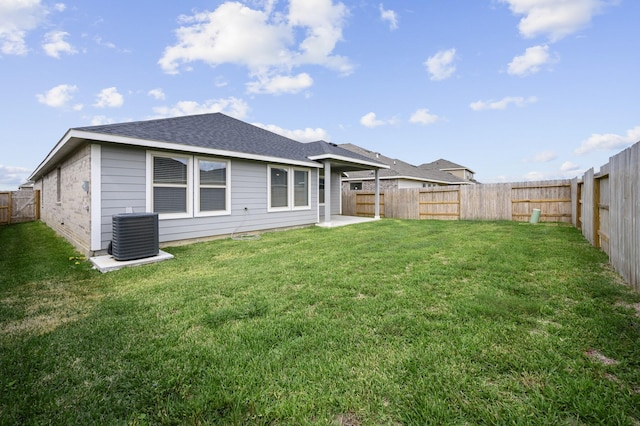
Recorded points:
(204, 175)
(402, 175)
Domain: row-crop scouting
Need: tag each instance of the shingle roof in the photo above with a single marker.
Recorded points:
(215, 130)
(209, 133)
(442, 164)
(314, 149)
(399, 168)
(221, 132)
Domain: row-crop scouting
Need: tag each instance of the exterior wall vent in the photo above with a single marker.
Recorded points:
(135, 236)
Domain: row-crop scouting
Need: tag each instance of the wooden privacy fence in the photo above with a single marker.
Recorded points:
(504, 201)
(605, 206)
(608, 211)
(19, 206)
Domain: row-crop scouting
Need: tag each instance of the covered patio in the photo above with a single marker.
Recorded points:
(340, 220)
(336, 162)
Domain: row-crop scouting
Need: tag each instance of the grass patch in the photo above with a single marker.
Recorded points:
(389, 322)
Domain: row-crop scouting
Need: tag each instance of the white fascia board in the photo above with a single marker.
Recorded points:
(408, 178)
(61, 143)
(348, 160)
(369, 178)
(457, 168)
(429, 180)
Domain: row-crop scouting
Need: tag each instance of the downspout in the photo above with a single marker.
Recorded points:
(377, 195)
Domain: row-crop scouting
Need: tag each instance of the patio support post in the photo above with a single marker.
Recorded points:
(377, 196)
(327, 192)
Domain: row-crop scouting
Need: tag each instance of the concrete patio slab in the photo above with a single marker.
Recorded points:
(107, 263)
(339, 220)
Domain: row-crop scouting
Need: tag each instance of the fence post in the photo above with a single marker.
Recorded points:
(10, 207)
(37, 205)
(596, 211)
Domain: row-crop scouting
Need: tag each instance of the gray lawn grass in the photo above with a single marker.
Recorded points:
(390, 322)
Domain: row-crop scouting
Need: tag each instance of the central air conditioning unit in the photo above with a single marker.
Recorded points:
(135, 236)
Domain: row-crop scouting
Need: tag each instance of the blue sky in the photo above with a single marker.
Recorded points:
(513, 89)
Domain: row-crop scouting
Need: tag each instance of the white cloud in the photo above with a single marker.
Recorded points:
(536, 175)
(101, 42)
(530, 62)
(11, 177)
(220, 82)
(440, 65)
(60, 7)
(423, 116)
(267, 42)
(17, 18)
(389, 16)
(55, 44)
(503, 103)
(370, 120)
(99, 120)
(544, 156)
(280, 84)
(554, 18)
(569, 167)
(110, 98)
(302, 135)
(157, 94)
(609, 141)
(58, 96)
(231, 106)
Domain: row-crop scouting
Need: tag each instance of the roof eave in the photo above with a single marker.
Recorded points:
(413, 178)
(344, 159)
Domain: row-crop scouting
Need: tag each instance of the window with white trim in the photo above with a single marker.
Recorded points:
(289, 188)
(321, 186)
(212, 193)
(170, 184)
(186, 186)
(278, 187)
(300, 188)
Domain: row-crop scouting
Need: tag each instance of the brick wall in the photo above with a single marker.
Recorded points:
(68, 213)
(370, 185)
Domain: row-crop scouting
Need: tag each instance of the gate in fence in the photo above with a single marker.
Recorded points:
(19, 206)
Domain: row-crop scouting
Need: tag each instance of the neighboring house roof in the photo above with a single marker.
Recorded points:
(443, 164)
(401, 169)
(212, 134)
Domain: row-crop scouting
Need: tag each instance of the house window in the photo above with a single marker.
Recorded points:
(300, 188)
(279, 190)
(212, 193)
(170, 192)
(321, 186)
(186, 186)
(355, 186)
(288, 188)
(58, 185)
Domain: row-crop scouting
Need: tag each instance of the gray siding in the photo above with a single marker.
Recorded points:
(124, 186)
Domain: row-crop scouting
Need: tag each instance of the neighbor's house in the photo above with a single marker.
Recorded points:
(402, 175)
(205, 175)
(457, 170)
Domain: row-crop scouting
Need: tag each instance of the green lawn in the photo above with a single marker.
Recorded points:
(384, 323)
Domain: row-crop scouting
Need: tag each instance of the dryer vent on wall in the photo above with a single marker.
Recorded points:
(135, 236)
